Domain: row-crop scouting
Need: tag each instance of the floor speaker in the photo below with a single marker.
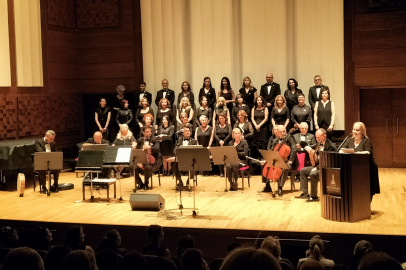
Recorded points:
(144, 201)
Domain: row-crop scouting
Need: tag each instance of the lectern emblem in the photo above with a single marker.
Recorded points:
(333, 183)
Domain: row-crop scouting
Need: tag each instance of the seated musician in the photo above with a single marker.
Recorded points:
(323, 144)
(125, 137)
(291, 160)
(47, 144)
(98, 139)
(242, 151)
(184, 140)
(150, 144)
(303, 136)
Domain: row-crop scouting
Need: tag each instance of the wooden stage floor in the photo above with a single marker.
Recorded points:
(246, 210)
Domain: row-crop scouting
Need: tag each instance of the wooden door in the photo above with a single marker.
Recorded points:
(399, 127)
(376, 113)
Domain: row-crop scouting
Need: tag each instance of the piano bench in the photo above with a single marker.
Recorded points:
(103, 183)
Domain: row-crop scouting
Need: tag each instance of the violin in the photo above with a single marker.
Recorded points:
(150, 157)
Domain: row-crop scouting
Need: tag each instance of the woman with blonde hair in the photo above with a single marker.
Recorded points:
(242, 151)
(125, 137)
(220, 107)
(141, 112)
(185, 107)
(362, 145)
(280, 112)
(164, 110)
(248, 92)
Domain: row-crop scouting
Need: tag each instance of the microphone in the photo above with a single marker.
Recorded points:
(346, 138)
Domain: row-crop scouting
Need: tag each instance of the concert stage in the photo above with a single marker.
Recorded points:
(242, 210)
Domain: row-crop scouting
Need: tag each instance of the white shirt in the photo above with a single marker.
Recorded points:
(269, 89)
(164, 93)
(47, 146)
(142, 95)
(318, 88)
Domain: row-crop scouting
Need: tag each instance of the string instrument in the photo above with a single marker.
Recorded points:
(150, 157)
(314, 158)
(20, 184)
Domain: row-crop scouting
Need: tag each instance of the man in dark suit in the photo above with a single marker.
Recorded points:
(143, 93)
(324, 144)
(315, 93)
(183, 140)
(291, 159)
(150, 144)
(165, 93)
(47, 144)
(304, 136)
(270, 90)
(98, 139)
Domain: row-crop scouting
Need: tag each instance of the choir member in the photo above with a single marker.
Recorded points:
(186, 91)
(209, 92)
(248, 92)
(165, 92)
(292, 93)
(222, 135)
(185, 107)
(124, 115)
(315, 93)
(280, 112)
(246, 128)
(204, 109)
(239, 105)
(164, 110)
(259, 118)
(102, 117)
(270, 90)
(221, 107)
(204, 135)
(143, 93)
(242, 151)
(141, 112)
(362, 145)
(227, 93)
(165, 134)
(301, 112)
(325, 113)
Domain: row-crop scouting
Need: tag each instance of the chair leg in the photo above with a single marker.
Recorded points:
(152, 178)
(249, 184)
(83, 191)
(159, 178)
(114, 190)
(34, 182)
(242, 177)
(108, 192)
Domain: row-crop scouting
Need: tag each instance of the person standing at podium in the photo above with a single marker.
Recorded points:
(47, 144)
(362, 145)
(323, 144)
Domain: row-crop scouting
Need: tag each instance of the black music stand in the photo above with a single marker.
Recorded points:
(273, 159)
(90, 161)
(48, 161)
(223, 155)
(138, 156)
(117, 156)
(193, 159)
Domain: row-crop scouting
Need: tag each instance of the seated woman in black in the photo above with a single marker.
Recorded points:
(124, 115)
(165, 134)
(222, 135)
(242, 152)
(125, 137)
(362, 145)
(204, 109)
(239, 106)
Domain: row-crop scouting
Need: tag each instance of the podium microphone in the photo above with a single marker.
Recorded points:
(346, 138)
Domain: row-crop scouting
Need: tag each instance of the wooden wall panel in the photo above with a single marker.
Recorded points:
(8, 121)
(380, 21)
(62, 71)
(34, 115)
(380, 57)
(62, 55)
(105, 70)
(61, 86)
(97, 14)
(106, 85)
(106, 39)
(61, 39)
(106, 55)
(66, 112)
(380, 76)
(380, 39)
(61, 13)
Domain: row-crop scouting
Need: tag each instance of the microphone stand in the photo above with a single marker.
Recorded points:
(346, 138)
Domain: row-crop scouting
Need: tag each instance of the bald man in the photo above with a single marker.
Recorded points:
(270, 90)
(98, 139)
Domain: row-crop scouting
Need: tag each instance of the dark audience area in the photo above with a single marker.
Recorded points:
(36, 249)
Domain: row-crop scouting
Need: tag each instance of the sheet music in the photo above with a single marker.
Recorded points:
(123, 155)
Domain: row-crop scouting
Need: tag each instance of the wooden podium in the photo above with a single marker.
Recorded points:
(345, 187)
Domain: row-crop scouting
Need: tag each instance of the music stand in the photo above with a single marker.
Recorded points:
(193, 159)
(90, 161)
(89, 146)
(138, 156)
(223, 155)
(273, 159)
(48, 161)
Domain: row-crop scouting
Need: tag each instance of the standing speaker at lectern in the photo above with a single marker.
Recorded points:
(362, 145)
(47, 144)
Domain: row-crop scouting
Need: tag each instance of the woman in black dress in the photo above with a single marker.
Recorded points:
(220, 108)
(292, 93)
(325, 113)
(280, 113)
(185, 107)
(116, 106)
(242, 151)
(239, 105)
(246, 128)
(204, 135)
(362, 145)
(204, 109)
(124, 115)
(141, 112)
(102, 117)
(259, 117)
(248, 92)
(165, 134)
(163, 110)
(186, 91)
(227, 93)
(222, 135)
(300, 113)
(148, 121)
(208, 91)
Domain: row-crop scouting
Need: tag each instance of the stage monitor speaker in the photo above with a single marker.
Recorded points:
(152, 202)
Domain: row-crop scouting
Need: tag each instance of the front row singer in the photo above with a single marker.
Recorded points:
(323, 144)
(290, 159)
(150, 144)
(362, 145)
(242, 151)
(184, 140)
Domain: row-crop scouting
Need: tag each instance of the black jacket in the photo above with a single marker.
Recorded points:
(40, 146)
(137, 100)
(313, 95)
(170, 95)
(275, 91)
